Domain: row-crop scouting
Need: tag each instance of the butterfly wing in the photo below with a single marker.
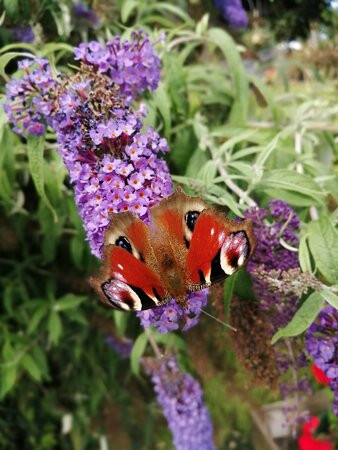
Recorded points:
(127, 280)
(219, 246)
(171, 230)
(173, 218)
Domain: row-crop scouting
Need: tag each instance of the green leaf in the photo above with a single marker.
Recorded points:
(176, 79)
(266, 153)
(54, 327)
(121, 321)
(303, 318)
(241, 136)
(329, 296)
(208, 172)
(323, 243)
(170, 340)
(290, 185)
(30, 365)
(77, 316)
(182, 148)
(77, 247)
(162, 102)
(8, 377)
(6, 58)
(38, 315)
(229, 286)
(220, 196)
(243, 287)
(173, 9)
(69, 301)
(304, 255)
(50, 232)
(30, 47)
(35, 149)
(241, 86)
(12, 8)
(41, 360)
(127, 8)
(8, 351)
(52, 47)
(137, 352)
(197, 160)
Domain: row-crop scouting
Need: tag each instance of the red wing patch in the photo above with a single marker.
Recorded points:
(127, 283)
(219, 246)
(208, 237)
(125, 267)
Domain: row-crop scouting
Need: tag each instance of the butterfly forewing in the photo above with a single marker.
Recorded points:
(219, 247)
(127, 279)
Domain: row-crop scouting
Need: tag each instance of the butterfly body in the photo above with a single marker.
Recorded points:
(186, 247)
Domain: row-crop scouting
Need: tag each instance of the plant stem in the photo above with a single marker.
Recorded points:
(233, 187)
(153, 343)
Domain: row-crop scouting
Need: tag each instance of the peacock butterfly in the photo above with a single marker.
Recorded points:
(188, 246)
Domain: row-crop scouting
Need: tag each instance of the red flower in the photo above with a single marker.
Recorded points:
(320, 375)
(311, 425)
(308, 442)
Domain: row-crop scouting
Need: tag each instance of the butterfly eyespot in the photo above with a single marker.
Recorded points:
(123, 242)
(235, 252)
(191, 218)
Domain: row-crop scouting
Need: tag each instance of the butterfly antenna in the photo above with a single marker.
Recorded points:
(218, 320)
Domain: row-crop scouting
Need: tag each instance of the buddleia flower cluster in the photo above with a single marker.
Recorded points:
(233, 12)
(273, 226)
(167, 318)
(321, 342)
(276, 254)
(113, 165)
(121, 345)
(180, 397)
(85, 17)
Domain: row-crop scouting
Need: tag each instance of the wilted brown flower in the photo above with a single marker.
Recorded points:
(251, 342)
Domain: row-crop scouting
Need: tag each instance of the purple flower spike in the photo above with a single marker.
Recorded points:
(233, 12)
(270, 254)
(30, 100)
(85, 17)
(180, 397)
(23, 34)
(133, 65)
(121, 346)
(321, 342)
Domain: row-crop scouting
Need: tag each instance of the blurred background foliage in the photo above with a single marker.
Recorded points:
(248, 109)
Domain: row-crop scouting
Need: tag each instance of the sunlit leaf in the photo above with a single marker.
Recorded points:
(35, 149)
(54, 327)
(323, 243)
(303, 318)
(137, 352)
(30, 365)
(240, 80)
